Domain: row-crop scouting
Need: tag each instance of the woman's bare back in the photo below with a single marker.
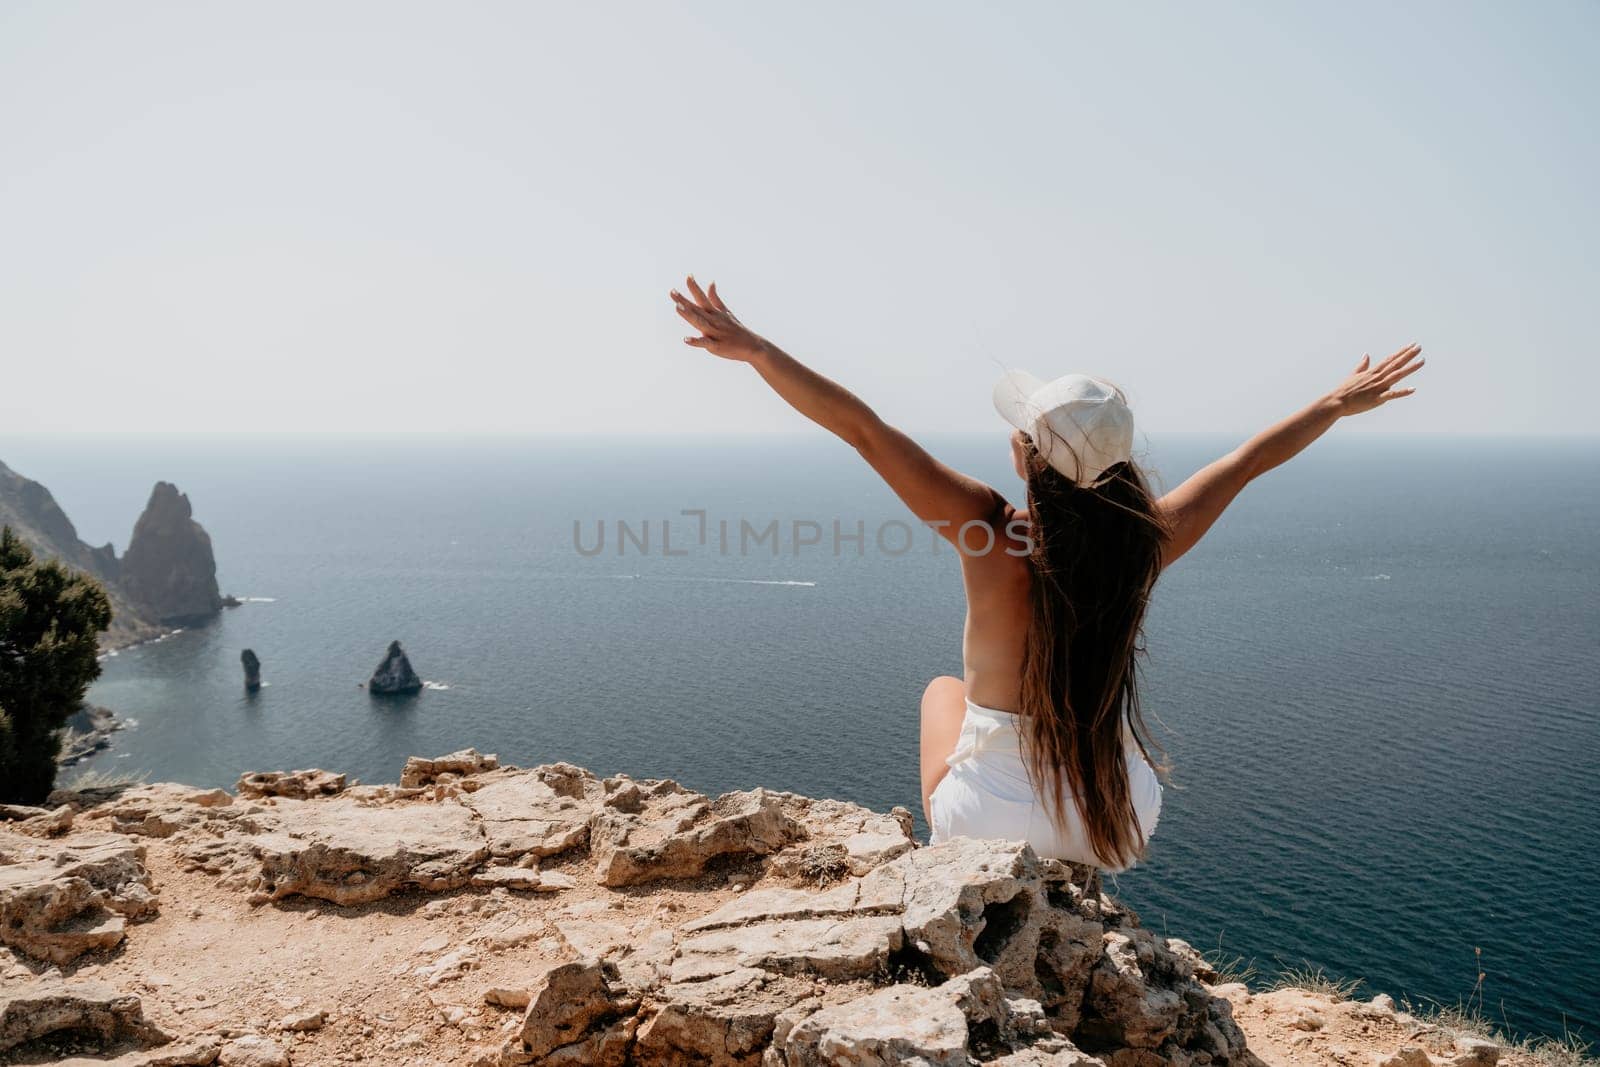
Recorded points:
(998, 585)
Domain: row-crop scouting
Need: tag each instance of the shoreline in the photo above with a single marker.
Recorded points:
(79, 744)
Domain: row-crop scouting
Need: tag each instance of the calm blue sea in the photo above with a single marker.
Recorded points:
(1377, 680)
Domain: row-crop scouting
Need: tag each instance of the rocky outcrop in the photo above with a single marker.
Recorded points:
(253, 1050)
(160, 810)
(61, 900)
(169, 569)
(394, 675)
(342, 851)
(252, 670)
(544, 812)
(965, 952)
(644, 832)
(943, 1024)
(296, 785)
(34, 1010)
(421, 771)
(484, 914)
(577, 1013)
(37, 821)
(833, 939)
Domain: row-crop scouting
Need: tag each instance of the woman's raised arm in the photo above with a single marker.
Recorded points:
(939, 496)
(1194, 506)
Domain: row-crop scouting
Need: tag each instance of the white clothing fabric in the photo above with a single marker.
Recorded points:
(986, 792)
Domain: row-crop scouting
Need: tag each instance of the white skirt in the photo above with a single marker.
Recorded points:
(986, 792)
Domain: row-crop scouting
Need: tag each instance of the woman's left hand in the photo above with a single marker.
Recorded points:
(721, 333)
(1368, 387)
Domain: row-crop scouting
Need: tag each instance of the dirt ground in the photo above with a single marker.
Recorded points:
(402, 980)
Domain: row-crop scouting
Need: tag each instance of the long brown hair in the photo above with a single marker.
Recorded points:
(1096, 553)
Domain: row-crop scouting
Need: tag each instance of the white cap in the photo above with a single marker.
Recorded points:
(1080, 425)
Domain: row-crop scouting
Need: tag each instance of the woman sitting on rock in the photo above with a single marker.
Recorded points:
(1043, 740)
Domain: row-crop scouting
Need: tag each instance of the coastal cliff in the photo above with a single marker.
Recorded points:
(167, 578)
(480, 914)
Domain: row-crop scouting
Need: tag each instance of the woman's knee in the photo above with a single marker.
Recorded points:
(942, 691)
(943, 704)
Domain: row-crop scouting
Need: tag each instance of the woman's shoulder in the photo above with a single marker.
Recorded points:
(1017, 534)
(997, 561)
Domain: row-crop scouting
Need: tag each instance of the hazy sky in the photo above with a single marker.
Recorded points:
(398, 217)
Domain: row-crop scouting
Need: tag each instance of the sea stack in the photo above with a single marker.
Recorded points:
(169, 570)
(252, 670)
(394, 674)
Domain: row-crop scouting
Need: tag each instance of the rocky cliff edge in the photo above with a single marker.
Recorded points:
(479, 914)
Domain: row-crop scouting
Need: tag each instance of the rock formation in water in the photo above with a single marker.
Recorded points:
(252, 670)
(394, 675)
(549, 916)
(169, 569)
(172, 578)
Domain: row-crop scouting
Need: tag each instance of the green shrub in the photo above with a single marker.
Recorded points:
(50, 618)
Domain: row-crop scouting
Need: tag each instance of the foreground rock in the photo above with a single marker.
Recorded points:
(966, 952)
(644, 832)
(37, 821)
(62, 898)
(296, 785)
(346, 853)
(577, 1013)
(851, 946)
(253, 1050)
(159, 810)
(955, 1022)
(530, 815)
(420, 771)
(486, 914)
(394, 675)
(45, 1007)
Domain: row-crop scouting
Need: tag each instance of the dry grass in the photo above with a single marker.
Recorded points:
(1569, 1050)
(823, 865)
(1467, 1017)
(1315, 980)
(96, 779)
(1230, 966)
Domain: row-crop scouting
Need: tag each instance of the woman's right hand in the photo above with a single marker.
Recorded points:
(721, 333)
(1369, 386)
